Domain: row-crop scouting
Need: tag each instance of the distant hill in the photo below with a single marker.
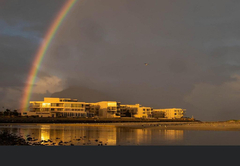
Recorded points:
(83, 94)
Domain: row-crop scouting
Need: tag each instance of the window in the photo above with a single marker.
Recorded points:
(76, 105)
(46, 104)
(67, 105)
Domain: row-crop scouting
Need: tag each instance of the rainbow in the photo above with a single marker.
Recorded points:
(41, 52)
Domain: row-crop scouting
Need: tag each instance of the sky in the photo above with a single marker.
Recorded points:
(192, 48)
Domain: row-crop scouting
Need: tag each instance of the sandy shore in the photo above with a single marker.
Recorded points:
(217, 126)
(221, 126)
(84, 120)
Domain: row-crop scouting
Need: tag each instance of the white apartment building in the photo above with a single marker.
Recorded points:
(67, 107)
(60, 107)
(170, 113)
(109, 109)
(140, 111)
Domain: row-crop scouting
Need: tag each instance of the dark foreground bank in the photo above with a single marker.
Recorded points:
(7, 138)
(10, 139)
(85, 120)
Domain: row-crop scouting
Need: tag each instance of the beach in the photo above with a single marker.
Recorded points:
(173, 124)
(216, 126)
(86, 120)
(160, 125)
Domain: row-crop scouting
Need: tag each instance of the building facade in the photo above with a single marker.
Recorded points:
(127, 111)
(67, 107)
(109, 109)
(136, 111)
(169, 113)
(158, 113)
(57, 107)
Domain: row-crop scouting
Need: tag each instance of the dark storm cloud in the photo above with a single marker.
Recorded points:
(191, 46)
(15, 59)
(22, 27)
(30, 10)
(185, 43)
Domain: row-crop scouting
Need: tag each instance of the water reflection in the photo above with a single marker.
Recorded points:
(73, 134)
(127, 136)
(95, 135)
(45, 134)
(173, 134)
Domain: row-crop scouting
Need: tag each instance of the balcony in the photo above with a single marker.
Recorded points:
(111, 110)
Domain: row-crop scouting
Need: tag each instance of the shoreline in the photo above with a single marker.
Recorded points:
(86, 120)
(216, 126)
(161, 124)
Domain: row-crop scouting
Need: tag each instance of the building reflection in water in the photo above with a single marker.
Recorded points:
(45, 132)
(128, 136)
(147, 136)
(173, 134)
(77, 135)
(93, 135)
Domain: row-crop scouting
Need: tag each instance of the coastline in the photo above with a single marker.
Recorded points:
(85, 120)
(161, 124)
(207, 126)
(217, 126)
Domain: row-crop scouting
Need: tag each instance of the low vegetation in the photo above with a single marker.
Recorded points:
(9, 113)
(7, 138)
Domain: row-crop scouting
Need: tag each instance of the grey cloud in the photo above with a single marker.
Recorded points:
(30, 10)
(15, 60)
(104, 44)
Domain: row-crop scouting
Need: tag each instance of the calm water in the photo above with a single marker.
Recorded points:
(92, 135)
